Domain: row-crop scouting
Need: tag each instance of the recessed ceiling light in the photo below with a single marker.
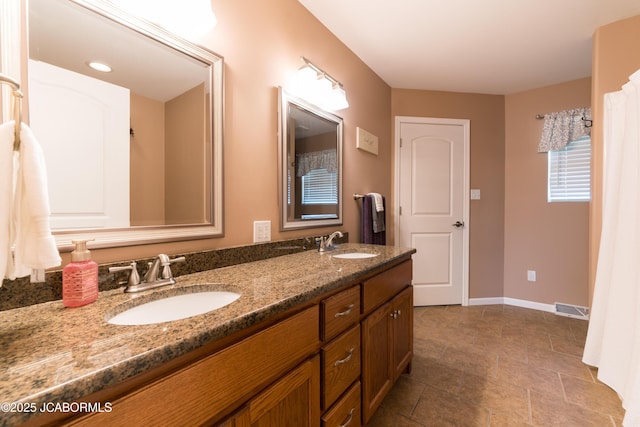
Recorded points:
(99, 66)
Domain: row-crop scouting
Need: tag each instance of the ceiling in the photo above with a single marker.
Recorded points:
(488, 46)
(68, 36)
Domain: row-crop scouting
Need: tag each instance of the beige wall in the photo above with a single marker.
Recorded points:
(261, 43)
(147, 183)
(615, 58)
(255, 66)
(185, 162)
(486, 216)
(550, 238)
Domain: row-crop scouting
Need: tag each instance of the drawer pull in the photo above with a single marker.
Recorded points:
(344, 313)
(348, 421)
(346, 359)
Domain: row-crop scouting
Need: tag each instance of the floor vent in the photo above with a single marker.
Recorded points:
(575, 311)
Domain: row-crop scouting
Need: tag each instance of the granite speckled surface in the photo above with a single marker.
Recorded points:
(53, 354)
(21, 293)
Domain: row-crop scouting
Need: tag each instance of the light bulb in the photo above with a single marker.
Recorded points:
(338, 98)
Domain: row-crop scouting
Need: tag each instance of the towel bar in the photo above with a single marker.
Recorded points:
(17, 107)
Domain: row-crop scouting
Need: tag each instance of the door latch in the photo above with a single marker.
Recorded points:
(458, 224)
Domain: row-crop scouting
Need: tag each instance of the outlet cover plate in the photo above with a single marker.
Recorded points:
(366, 141)
(261, 231)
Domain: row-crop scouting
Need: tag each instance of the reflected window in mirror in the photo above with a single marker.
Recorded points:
(310, 164)
(134, 155)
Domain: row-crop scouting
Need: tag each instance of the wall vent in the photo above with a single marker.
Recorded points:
(574, 311)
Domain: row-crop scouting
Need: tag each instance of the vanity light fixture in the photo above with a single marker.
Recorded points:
(99, 66)
(318, 87)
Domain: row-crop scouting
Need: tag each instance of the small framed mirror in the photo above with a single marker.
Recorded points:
(309, 164)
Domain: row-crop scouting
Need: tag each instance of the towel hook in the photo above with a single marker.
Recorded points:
(17, 108)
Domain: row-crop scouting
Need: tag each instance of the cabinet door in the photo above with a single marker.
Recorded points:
(402, 326)
(293, 401)
(377, 369)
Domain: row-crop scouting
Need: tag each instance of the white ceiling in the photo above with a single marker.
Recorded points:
(67, 35)
(477, 46)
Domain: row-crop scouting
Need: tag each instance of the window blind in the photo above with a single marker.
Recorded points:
(319, 187)
(569, 174)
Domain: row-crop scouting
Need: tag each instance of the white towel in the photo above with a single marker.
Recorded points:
(378, 201)
(24, 215)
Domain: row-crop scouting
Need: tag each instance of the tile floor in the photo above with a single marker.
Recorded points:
(498, 365)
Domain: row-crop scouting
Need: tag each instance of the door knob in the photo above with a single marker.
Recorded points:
(458, 224)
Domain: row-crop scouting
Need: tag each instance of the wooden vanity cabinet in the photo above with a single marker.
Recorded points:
(293, 401)
(387, 334)
(385, 330)
(330, 364)
(341, 358)
(206, 390)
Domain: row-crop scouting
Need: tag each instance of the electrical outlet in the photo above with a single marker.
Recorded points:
(531, 275)
(261, 231)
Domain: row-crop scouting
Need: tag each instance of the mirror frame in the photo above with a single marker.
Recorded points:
(284, 100)
(167, 233)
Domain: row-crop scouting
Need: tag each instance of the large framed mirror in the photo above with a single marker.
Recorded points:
(133, 155)
(309, 165)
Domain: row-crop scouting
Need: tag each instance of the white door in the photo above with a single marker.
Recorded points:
(82, 125)
(433, 184)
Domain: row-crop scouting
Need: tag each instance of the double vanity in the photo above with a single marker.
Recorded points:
(311, 338)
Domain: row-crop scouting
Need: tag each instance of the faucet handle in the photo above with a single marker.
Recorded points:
(134, 277)
(166, 265)
(322, 242)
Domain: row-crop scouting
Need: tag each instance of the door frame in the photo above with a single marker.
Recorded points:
(466, 124)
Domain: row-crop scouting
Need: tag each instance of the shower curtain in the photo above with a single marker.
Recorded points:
(613, 338)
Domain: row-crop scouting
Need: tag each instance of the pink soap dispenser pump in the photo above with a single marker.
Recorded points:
(80, 277)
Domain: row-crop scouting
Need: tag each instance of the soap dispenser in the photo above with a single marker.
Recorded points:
(80, 277)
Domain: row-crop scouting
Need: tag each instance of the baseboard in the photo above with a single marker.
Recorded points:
(486, 301)
(551, 308)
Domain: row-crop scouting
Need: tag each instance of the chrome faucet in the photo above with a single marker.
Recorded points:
(160, 266)
(326, 243)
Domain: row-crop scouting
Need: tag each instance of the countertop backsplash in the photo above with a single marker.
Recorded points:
(21, 292)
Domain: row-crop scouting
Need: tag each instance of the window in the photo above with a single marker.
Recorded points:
(320, 187)
(570, 172)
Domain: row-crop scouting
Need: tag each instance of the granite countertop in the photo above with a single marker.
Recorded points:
(53, 354)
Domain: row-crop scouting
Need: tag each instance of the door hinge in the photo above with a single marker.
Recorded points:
(400, 142)
(400, 210)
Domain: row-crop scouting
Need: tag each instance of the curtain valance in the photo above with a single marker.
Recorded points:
(563, 127)
(325, 159)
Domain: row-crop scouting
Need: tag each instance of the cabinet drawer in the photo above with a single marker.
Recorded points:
(339, 312)
(379, 289)
(217, 384)
(340, 365)
(346, 412)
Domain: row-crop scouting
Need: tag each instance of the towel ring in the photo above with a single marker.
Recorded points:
(17, 108)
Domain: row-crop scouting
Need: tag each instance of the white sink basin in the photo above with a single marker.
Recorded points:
(174, 308)
(355, 255)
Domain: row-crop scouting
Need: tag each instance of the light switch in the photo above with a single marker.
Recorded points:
(475, 194)
(261, 231)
